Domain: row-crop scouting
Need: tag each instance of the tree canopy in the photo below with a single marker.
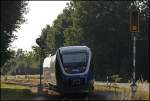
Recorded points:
(104, 27)
(23, 63)
(11, 19)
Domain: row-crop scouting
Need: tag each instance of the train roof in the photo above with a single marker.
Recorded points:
(69, 49)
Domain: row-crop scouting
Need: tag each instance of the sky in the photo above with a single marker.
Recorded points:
(40, 14)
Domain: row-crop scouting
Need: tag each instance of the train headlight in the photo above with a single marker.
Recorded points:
(84, 67)
(66, 68)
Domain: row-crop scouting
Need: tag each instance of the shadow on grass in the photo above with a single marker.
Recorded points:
(8, 94)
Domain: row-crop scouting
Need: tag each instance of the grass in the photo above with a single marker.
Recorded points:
(121, 93)
(107, 88)
(142, 95)
(15, 92)
(34, 79)
(12, 86)
(139, 95)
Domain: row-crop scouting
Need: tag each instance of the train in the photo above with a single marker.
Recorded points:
(70, 70)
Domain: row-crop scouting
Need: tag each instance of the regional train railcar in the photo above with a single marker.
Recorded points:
(70, 70)
(49, 76)
(74, 72)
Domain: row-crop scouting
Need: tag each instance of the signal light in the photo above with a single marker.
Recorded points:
(134, 21)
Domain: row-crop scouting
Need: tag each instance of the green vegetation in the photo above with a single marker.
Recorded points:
(11, 19)
(23, 63)
(33, 79)
(116, 78)
(15, 92)
(12, 86)
(121, 93)
(103, 26)
(104, 88)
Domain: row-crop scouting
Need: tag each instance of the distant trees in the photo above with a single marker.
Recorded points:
(11, 18)
(104, 27)
(23, 63)
(142, 56)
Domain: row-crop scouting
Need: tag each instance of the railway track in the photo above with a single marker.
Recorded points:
(71, 97)
(48, 94)
(74, 99)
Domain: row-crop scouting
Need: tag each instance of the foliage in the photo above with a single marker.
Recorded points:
(116, 78)
(16, 92)
(13, 86)
(104, 27)
(11, 18)
(23, 63)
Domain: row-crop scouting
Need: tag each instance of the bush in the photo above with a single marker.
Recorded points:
(116, 78)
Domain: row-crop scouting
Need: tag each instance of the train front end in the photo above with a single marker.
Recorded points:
(74, 72)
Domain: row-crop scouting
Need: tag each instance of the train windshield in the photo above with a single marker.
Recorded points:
(74, 62)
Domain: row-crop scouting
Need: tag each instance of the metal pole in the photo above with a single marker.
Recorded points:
(133, 85)
(41, 65)
(134, 56)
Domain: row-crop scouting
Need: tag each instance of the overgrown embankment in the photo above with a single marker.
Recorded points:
(117, 92)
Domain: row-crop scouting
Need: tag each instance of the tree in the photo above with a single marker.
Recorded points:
(11, 18)
(142, 46)
(104, 27)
